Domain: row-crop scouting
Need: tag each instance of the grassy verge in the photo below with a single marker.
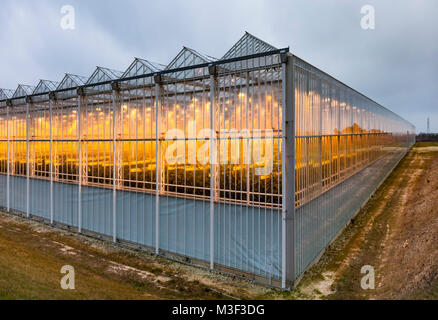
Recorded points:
(426, 144)
(31, 258)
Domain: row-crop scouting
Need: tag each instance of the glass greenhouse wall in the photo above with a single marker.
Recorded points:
(251, 164)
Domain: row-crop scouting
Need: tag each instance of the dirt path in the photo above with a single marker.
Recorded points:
(409, 259)
(396, 233)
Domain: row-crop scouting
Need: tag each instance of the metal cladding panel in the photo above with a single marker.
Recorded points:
(248, 239)
(65, 203)
(96, 210)
(18, 193)
(3, 190)
(39, 197)
(184, 227)
(136, 217)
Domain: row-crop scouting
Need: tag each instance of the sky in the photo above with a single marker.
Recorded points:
(395, 64)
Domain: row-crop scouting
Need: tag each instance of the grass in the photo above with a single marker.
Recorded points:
(30, 265)
(30, 272)
(426, 144)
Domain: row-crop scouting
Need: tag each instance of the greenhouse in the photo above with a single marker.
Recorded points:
(250, 164)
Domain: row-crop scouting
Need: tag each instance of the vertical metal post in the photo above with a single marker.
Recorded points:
(8, 207)
(51, 159)
(158, 161)
(288, 171)
(284, 191)
(80, 97)
(27, 162)
(213, 157)
(248, 150)
(352, 140)
(322, 104)
(339, 136)
(115, 96)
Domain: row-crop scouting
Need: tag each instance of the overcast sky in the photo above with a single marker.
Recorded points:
(395, 64)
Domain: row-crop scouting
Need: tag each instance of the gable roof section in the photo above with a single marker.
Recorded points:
(188, 57)
(141, 67)
(103, 74)
(45, 86)
(23, 90)
(71, 81)
(248, 45)
(6, 94)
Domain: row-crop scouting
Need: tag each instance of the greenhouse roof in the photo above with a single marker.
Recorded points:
(6, 94)
(141, 67)
(103, 74)
(184, 65)
(71, 81)
(23, 90)
(248, 45)
(45, 86)
(188, 57)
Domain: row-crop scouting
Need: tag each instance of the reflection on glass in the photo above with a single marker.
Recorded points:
(338, 133)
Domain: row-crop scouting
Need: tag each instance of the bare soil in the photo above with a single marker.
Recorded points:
(396, 233)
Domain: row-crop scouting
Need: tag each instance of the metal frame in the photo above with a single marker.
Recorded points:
(265, 89)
